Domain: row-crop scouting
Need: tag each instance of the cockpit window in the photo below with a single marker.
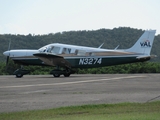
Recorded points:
(53, 49)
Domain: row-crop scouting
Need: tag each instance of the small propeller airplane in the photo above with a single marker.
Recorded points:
(66, 57)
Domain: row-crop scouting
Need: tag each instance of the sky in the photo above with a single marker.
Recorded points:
(52, 16)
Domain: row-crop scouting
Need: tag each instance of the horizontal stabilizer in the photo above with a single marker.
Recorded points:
(143, 57)
(146, 57)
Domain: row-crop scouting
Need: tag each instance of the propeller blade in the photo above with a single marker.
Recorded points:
(9, 46)
(7, 60)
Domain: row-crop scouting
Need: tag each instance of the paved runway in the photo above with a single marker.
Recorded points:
(34, 92)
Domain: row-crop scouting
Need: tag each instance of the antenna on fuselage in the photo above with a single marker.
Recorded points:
(101, 45)
(116, 47)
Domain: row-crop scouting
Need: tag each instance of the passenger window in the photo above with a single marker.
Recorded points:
(66, 51)
(80, 52)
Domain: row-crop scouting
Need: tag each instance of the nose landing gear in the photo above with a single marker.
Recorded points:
(20, 72)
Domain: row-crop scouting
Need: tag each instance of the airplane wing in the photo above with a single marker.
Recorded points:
(52, 60)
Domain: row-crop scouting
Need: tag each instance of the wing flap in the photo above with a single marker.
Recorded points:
(53, 60)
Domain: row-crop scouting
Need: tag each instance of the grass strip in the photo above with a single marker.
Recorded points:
(120, 111)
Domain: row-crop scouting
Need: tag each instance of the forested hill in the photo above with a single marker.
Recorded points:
(125, 37)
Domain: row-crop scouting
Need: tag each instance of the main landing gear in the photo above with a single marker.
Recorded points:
(58, 72)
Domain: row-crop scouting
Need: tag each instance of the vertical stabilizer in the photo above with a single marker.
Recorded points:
(144, 43)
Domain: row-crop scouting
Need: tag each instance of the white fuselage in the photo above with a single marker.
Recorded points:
(13, 54)
(54, 48)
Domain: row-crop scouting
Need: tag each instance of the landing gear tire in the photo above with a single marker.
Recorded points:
(66, 74)
(56, 75)
(20, 72)
(19, 75)
(58, 72)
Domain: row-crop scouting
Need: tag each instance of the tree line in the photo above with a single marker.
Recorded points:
(144, 67)
(125, 37)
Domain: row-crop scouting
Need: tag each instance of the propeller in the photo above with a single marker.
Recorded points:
(9, 46)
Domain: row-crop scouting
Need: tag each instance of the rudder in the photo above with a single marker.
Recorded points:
(144, 43)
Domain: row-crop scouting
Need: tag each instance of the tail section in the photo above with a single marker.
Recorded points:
(144, 43)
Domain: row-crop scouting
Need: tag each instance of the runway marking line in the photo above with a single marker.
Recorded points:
(37, 91)
(76, 82)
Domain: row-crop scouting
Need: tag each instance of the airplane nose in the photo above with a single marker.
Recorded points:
(6, 53)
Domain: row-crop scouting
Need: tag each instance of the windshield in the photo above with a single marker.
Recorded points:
(50, 49)
(43, 49)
